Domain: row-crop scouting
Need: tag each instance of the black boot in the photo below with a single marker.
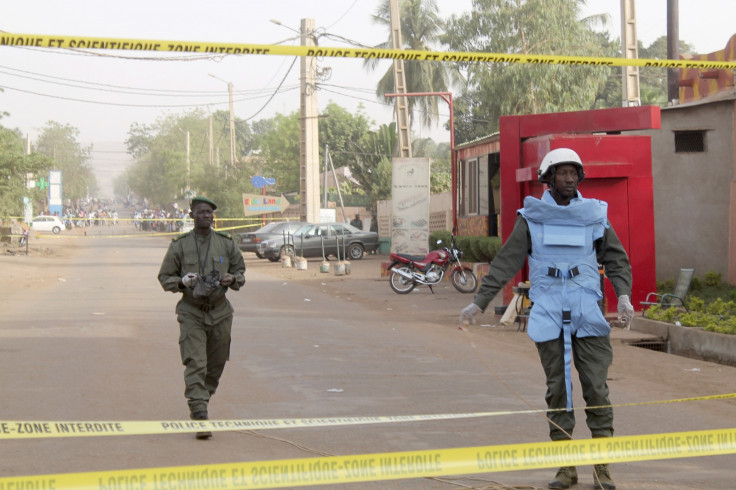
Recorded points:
(566, 476)
(602, 478)
(201, 416)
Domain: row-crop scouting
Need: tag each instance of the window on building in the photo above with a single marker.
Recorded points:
(689, 141)
(470, 190)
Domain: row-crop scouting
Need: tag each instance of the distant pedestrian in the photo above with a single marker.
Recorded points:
(357, 222)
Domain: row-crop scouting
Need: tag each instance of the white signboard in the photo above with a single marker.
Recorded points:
(410, 201)
(327, 215)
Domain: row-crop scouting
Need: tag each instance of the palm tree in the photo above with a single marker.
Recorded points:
(421, 27)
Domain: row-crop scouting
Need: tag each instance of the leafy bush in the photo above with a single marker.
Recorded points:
(657, 312)
(722, 308)
(445, 236)
(711, 304)
(475, 248)
(695, 303)
(712, 279)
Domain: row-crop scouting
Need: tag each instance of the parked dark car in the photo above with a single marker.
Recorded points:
(249, 241)
(312, 239)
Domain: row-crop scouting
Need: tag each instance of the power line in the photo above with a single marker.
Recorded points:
(136, 90)
(137, 105)
(275, 92)
(343, 15)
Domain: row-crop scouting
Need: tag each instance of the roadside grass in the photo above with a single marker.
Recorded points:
(711, 305)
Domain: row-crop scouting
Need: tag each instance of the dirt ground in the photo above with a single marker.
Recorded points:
(86, 333)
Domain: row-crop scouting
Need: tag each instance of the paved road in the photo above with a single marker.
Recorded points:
(88, 334)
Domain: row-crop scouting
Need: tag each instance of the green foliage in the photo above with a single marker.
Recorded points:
(444, 236)
(339, 130)
(440, 178)
(695, 303)
(280, 149)
(371, 164)
(712, 279)
(475, 248)
(59, 143)
(421, 27)
(268, 148)
(531, 27)
(14, 165)
(721, 308)
(657, 312)
(711, 305)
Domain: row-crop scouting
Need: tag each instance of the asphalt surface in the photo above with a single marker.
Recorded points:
(87, 334)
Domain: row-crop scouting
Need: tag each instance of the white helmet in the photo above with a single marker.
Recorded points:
(558, 157)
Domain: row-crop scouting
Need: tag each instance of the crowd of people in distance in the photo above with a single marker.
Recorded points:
(159, 219)
(92, 213)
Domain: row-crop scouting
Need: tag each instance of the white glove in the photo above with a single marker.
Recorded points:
(625, 310)
(467, 314)
(190, 279)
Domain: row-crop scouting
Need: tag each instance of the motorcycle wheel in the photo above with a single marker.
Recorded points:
(464, 281)
(400, 284)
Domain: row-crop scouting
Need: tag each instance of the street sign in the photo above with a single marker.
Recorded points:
(254, 204)
(260, 182)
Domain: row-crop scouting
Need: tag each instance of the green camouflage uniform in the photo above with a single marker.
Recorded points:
(205, 325)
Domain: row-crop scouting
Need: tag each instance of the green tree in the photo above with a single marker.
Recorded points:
(279, 147)
(268, 148)
(551, 27)
(59, 142)
(15, 165)
(652, 81)
(339, 129)
(440, 179)
(421, 28)
(371, 164)
(161, 173)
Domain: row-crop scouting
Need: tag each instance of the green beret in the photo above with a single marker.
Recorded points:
(197, 199)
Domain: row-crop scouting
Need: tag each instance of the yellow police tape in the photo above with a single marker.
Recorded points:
(396, 465)
(85, 42)
(28, 429)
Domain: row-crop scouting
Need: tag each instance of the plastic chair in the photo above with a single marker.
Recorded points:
(682, 286)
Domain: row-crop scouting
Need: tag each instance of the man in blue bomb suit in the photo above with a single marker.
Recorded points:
(564, 236)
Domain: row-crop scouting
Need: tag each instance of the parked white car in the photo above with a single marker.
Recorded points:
(47, 223)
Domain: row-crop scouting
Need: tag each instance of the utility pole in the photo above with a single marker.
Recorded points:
(189, 165)
(212, 144)
(309, 140)
(673, 50)
(630, 50)
(232, 125)
(232, 119)
(402, 105)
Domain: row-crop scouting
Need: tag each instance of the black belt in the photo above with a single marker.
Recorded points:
(555, 272)
(206, 306)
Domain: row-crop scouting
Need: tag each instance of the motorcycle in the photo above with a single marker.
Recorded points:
(409, 271)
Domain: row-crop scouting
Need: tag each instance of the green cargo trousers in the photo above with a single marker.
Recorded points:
(204, 351)
(592, 356)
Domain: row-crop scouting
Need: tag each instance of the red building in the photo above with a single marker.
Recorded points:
(496, 173)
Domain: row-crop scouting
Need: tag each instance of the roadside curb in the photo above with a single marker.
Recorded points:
(691, 341)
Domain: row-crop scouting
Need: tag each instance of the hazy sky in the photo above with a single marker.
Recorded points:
(103, 95)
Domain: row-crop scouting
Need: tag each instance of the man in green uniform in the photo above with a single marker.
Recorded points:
(201, 265)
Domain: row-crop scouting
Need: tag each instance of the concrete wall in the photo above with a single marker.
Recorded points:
(691, 341)
(692, 191)
(440, 214)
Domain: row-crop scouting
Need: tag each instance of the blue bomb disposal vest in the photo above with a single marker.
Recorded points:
(563, 271)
